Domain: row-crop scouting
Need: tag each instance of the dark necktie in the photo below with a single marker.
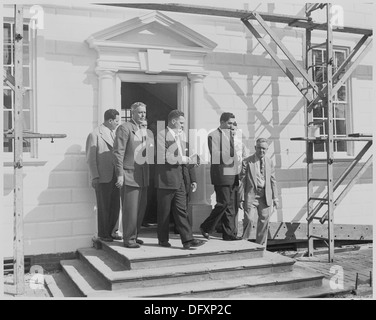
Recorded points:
(262, 167)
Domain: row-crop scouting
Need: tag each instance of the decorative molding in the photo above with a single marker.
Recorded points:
(168, 46)
(103, 37)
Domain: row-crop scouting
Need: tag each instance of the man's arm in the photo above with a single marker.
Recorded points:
(214, 145)
(273, 183)
(120, 145)
(91, 158)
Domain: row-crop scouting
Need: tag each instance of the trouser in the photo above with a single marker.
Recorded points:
(176, 200)
(223, 211)
(108, 207)
(134, 200)
(263, 211)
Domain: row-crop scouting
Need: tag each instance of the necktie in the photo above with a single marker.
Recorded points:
(262, 167)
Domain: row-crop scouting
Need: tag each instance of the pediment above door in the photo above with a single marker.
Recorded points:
(152, 43)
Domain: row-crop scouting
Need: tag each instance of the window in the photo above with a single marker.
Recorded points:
(8, 94)
(125, 115)
(341, 105)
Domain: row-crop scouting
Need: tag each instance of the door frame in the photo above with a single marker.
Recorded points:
(180, 80)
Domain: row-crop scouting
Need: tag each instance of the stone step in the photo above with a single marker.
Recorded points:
(254, 286)
(117, 276)
(151, 255)
(84, 279)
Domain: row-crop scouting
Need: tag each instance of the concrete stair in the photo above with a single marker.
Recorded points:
(218, 269)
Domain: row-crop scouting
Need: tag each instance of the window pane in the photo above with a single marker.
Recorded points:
(7, 33)
(317, 112)
(339, 111)
(341, 94)
(7, 54)
(7, 99)
(26, 100)
(26, 58)
(25, 34)
(340, 127)
(26, 121)
(26, 79)
(8, 145)
(325, 112)
(319, 147)
(7, 120)
(317, 56)
(341, 146)
(339, 58)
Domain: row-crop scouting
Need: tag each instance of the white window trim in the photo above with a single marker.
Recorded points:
(33, 154)
(350, 154)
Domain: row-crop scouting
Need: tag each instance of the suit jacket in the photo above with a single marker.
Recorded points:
(223, 168)
(99, 146)
(249, 183)
(132, 153)
(169, 173)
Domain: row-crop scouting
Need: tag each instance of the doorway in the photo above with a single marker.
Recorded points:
(160, 99)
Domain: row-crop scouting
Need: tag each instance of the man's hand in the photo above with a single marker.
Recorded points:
(276, 203)
(120, 181)
(95, 182)
(194, 186)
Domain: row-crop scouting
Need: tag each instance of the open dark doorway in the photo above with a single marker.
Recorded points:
(160, 99)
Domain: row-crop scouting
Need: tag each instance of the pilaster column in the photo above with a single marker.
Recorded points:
(106, 91)
(198, 203)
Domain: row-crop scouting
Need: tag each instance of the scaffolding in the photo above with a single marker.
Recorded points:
(18, 135)
(315, 94)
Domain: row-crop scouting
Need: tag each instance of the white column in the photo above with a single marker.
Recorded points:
(198, 204)
(106, 91)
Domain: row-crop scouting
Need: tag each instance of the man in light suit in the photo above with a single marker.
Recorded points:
(132, 171)
(224, 177)
(259, 191)
(172, 157)
(99, 146)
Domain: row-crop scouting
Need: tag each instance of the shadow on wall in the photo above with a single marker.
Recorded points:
(64, 217)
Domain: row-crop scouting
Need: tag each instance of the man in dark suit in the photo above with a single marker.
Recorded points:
(132, 148)
(224, 177)
(260, 192)
(172, 157)
(99, 146)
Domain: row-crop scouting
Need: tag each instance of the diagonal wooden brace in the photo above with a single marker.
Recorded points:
(280, 63)
(287, 53)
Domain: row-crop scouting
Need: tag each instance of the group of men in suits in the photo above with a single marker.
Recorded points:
(119, 169)
(124, 157)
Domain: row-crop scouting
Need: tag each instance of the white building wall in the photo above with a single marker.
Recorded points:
(59, 204)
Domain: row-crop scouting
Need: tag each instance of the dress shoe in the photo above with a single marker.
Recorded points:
(204, 233)
(233, 238)
(164, 244)
(132, 245)
(106, 239)
(116, 237)
(193, 243)
(139, 241)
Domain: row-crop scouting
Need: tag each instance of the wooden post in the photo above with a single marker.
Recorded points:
(18, 243)
(309, 144)
(330, 133)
